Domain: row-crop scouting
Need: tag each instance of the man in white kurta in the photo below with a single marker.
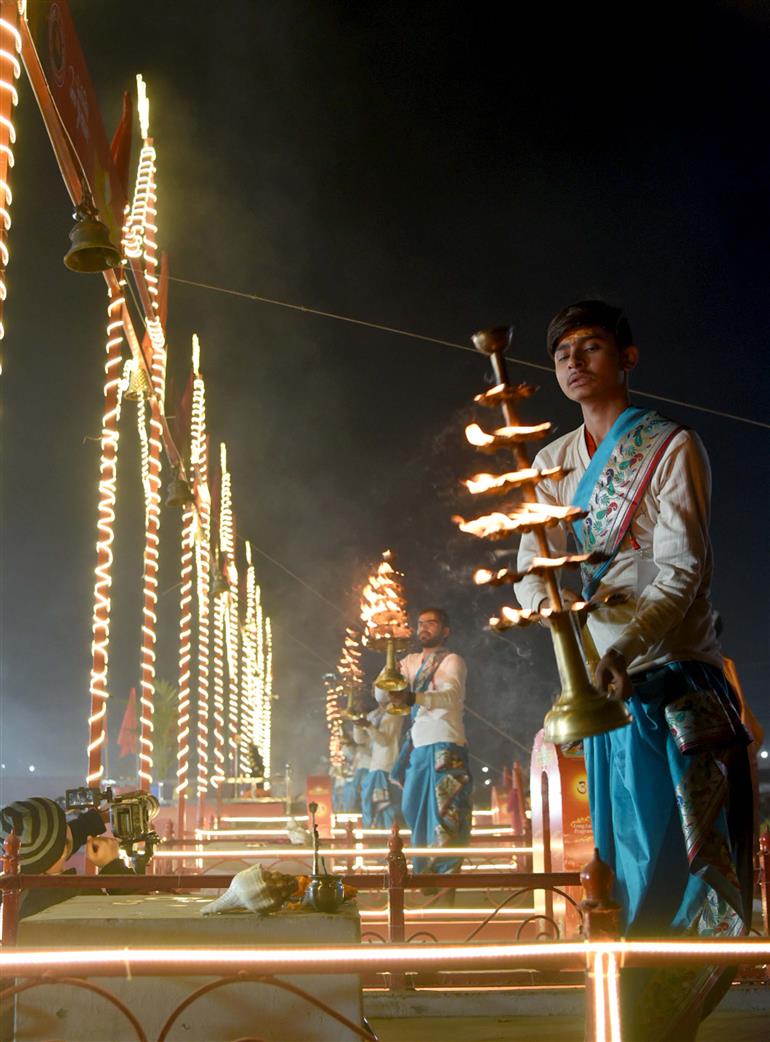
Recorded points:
(670, 794)
(433, 765)
(361, 753)
(380, 797)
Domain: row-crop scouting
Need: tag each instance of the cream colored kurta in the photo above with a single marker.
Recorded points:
(440, 714)
(385, 733)
(667, 616)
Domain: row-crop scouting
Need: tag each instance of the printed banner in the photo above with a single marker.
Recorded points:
(69, 81)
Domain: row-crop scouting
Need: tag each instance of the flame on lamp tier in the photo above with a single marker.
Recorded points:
(503, 436)
(538, 566)
(480, 484)
(334, 691)
(523, 519)
(383, 605)
(501, 393)
(510, 617)
(349, 667)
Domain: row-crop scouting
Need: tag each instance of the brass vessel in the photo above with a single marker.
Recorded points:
(580, 710)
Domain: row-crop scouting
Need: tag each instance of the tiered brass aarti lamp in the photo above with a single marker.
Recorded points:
(580, 711)
(386, 627)
(351, 675)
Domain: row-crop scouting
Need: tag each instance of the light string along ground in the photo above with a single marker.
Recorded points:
(255, 297)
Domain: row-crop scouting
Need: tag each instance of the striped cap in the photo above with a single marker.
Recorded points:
(41, 826)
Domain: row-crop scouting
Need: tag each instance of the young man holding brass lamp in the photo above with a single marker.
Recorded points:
(670, 793)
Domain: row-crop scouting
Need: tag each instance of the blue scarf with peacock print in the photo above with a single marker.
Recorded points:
(613, 485)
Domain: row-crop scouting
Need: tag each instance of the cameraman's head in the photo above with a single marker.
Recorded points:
(48, 840)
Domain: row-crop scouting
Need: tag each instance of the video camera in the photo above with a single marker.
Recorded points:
(131, 817)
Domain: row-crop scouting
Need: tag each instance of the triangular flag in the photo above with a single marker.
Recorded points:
(129, 729)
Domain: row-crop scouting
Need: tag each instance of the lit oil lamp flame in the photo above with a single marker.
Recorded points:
(503, 435)
(485, 577)
(383, 610)
(502, 392)
(527, 516)
(514, 433)
(481, 483)
(510, 617)
(544, 563)
(476, 436)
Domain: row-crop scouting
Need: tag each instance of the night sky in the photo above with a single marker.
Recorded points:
(426, 166)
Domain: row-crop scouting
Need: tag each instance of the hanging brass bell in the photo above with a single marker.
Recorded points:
(220, 586)
(91, 250)
(178, 493)
(580, 711)
(138, 384)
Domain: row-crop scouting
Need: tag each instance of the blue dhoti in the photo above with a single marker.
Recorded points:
(380, 801)
(671, 808)
(437, 802)
(351, 793)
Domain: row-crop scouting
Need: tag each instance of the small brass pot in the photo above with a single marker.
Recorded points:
(324, 893)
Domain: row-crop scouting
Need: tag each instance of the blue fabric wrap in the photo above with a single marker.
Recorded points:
(379, 814)
(437, 802)
(398, 770)
(646, 817)
(627, 420)
(351, 792)
(624, 423)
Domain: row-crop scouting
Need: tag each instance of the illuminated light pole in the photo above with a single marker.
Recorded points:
(231, 620)
(220, 611)
(108, 464)
(200, 475)
(10, 69)
(267, 711)
(140, 241)
(189, 525)
(248, 709)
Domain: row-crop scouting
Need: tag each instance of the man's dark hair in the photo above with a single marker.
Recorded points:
(588, 313)
(440, 613)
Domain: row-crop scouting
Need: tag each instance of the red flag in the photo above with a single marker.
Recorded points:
(180, 423)
(129, 729)
(120, 147)
(163, 290)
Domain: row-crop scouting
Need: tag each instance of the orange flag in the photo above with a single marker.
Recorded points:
(129, 729)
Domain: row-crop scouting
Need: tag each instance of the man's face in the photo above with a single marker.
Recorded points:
(590, 367)
(431, 632)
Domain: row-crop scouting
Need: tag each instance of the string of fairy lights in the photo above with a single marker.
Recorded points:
(225, 684)
(10, 70)
(108, 472)
(199, 473)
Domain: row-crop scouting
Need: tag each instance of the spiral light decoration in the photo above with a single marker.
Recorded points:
(108, 471)
(200, 475)
(10, 70)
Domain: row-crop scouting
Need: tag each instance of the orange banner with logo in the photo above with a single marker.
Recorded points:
(72, 90)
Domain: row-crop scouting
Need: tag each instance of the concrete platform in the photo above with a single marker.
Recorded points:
(737, 1027)
(535, 1015)
(242, 1009)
